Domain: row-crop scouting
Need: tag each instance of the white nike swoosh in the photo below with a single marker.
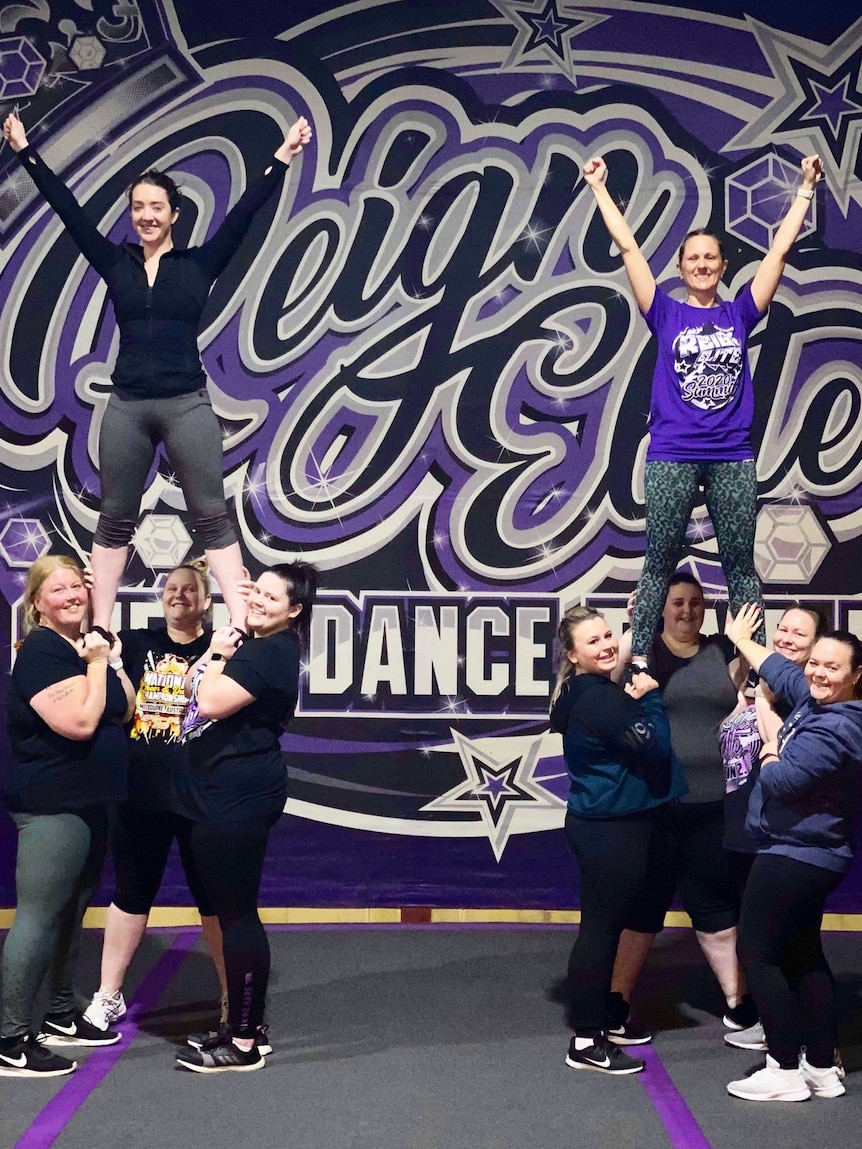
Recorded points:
(69, 1029)
(18, 1062)
(601, 1064)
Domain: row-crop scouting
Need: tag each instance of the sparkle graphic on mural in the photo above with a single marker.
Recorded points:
(545, 32)
(22, 541)
(817, 106)
(500, 787)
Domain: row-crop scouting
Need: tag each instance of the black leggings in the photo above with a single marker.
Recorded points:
(229, 857)
(780, 951)
(617, 858)
(140, 842)
(187, 427)
(695, 861)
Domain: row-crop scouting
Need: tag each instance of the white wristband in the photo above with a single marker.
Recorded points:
(117, 664)
(803, 194)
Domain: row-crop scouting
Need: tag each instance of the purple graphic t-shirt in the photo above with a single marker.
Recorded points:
(702, 401)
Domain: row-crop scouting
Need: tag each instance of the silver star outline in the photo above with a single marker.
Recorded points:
(779, 49)
(498, 788)
(545, 29)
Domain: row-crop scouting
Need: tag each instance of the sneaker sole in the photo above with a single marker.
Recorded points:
(797, 1095)
(220, 1068)
(605, 1068)
(56, 1040)
(11, 1071)
(756, 1047)
(828, 1094)
(619, 1039)
(264, 1050)
(108, 1021)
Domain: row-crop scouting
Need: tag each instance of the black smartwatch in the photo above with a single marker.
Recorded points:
(216, 657)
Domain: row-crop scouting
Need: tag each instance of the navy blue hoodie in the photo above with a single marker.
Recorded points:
(806, 805)
(617, 749)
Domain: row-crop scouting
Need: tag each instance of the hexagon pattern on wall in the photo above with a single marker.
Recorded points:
(756, 199)
(789, 544)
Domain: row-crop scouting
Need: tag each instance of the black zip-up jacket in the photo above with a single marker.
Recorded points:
(158, 356)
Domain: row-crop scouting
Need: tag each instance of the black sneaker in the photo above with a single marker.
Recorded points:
(28, 1057)
(221, 1058)
(629, 1034)
(225, 1033)
(603, 1057)
(74, 1029)
(742, 1016)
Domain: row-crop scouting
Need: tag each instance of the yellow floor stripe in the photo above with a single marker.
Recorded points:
(174, 916)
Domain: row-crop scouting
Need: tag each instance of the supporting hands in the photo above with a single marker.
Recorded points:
(93, 647)
(298, 136)
(641, 683)
(13, 133)
(744, 625)
(225, 640)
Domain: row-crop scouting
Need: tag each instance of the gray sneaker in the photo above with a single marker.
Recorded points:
(752, 1038)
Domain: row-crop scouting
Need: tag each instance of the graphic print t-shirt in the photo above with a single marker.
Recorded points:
(702, 402)
(158, 666)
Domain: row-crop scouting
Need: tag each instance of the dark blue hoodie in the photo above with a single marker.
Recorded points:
(806, 805)
(617, 749)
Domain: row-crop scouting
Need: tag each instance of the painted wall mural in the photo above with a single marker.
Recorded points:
(430, 373)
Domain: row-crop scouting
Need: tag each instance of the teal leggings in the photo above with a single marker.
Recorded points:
(59, 862)
(672, 493)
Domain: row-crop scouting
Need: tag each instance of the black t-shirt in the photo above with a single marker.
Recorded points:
(158, 665)
(235, 768)
(52, 774)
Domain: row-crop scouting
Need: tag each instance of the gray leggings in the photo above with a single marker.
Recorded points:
(672, 493)
(131, 431)
(59, 862)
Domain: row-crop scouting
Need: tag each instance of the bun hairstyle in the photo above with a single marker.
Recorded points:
(569, 623)
(160, 180)
(201, 570)
(301, 580)
(39, 572)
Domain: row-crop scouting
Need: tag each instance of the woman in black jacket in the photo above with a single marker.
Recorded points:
(159, 396)
(616, 743)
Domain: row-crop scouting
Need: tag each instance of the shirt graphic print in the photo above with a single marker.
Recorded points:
(708, 361)
(161, 702)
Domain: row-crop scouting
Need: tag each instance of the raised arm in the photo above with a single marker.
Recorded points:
(215, 254)
(765, 282)
(95, 248)
(637, 268)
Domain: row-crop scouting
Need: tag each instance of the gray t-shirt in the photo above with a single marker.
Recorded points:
(698, 695)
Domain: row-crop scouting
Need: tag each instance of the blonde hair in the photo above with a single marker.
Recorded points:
(38, 574)
(201, 570)
(571, 620)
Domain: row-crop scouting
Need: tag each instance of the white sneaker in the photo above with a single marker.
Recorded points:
(772, 1084)
(105, 1009)
(823, 1082)
(751, 1038)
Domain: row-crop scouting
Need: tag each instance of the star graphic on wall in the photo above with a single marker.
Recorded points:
(545, 30)
(815, 105)
(499, 786)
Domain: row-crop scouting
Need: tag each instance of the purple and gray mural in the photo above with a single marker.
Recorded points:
(431, 375)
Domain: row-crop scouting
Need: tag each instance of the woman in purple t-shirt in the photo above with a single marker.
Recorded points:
(702, 404)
